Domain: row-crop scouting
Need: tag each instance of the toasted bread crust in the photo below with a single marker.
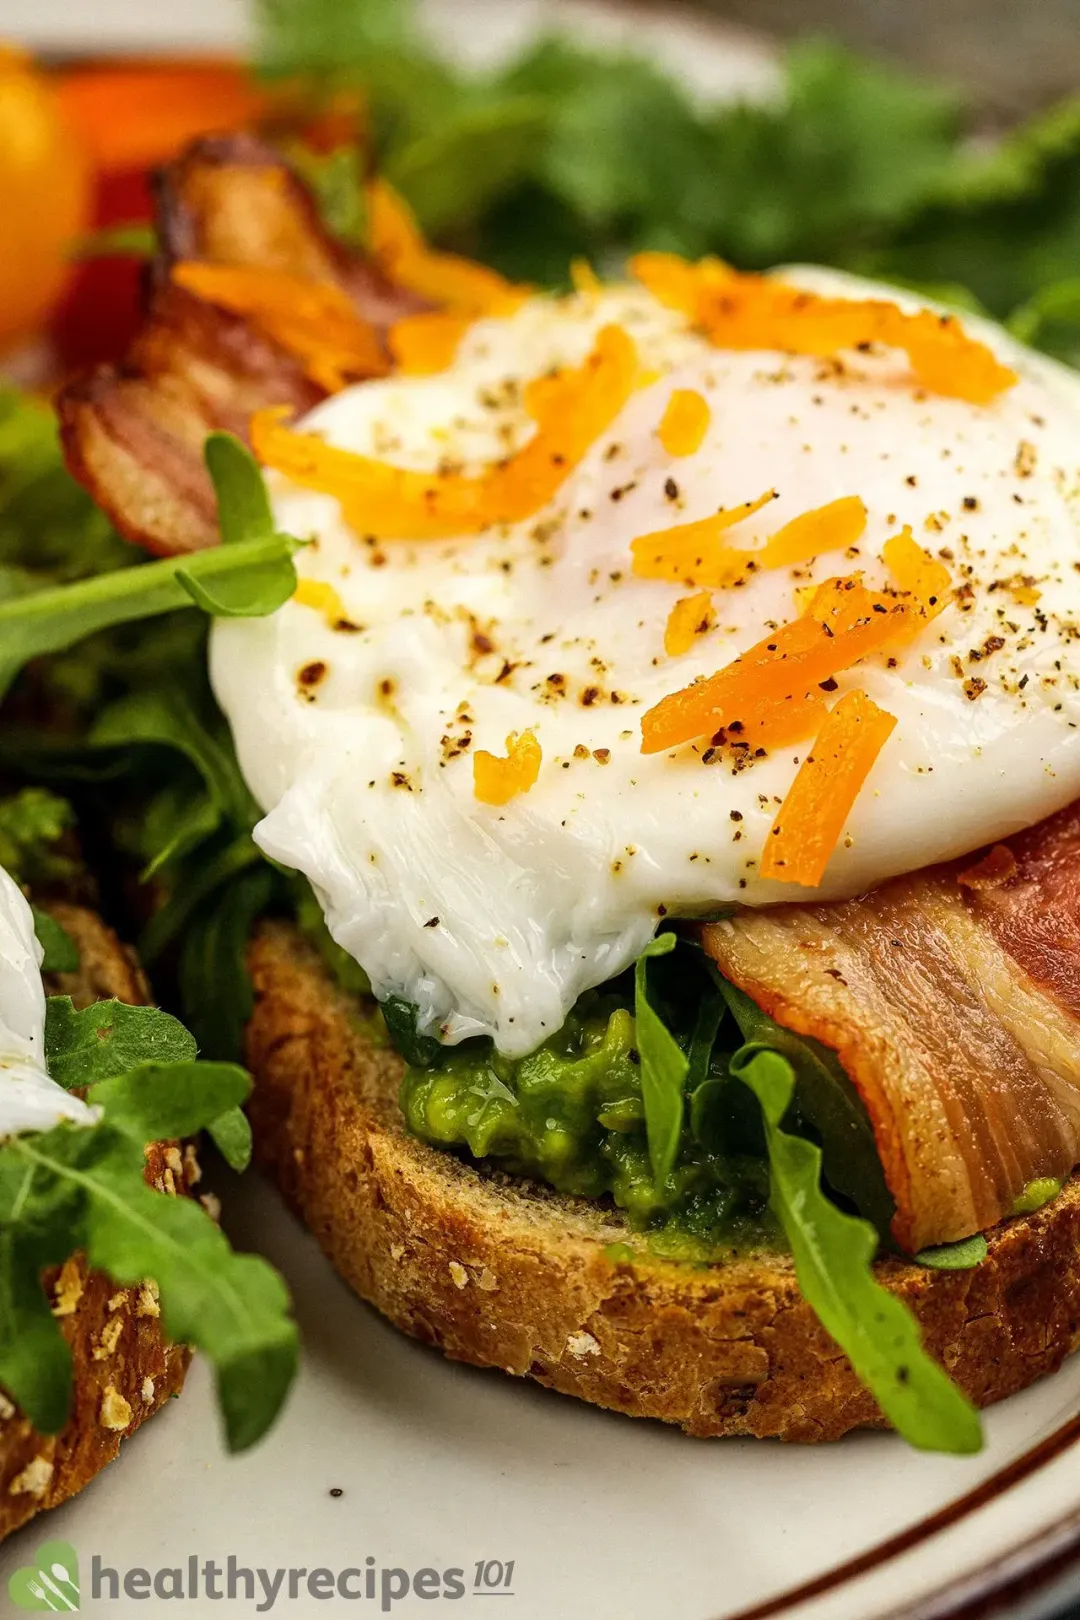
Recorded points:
(124, 1370)
(504, 1274)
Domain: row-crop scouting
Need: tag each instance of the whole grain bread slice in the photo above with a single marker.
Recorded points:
(501, 1273)
(124, 1369)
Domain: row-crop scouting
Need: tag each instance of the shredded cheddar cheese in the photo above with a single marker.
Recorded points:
(917, 573)
(692, 616)
(684, 423)
(318, 594)
(811, 819)
(584, 278)
(692, 553)
(423, 344)
(445, 279)
(763, 312)
(497, 780)
(314, 321)
(571, 409)
(775, 686)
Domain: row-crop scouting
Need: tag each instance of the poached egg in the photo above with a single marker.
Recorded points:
(29, 1099)
(358, 707)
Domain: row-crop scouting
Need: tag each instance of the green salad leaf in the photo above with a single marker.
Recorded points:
(828, 1102)
(961, 1256)
(215, 985)
(253, 575)
(833, 1254)
(664, 1067)
(82, 1187)
(34, 829)
(61, 951)
(86, 1046)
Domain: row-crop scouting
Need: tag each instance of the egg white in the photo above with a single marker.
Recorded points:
(494, 920)
(29, 1100)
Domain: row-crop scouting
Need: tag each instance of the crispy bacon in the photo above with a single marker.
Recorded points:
(954, 1007)
(133, 433)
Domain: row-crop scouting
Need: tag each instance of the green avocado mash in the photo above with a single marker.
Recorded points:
(572, 1115)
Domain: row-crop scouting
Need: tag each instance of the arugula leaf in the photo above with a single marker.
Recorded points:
(50, 529)
(109, 1038)
(833, 1253)
(157, 1100)
(1037, 1193)
(961, 1256)
(251, 576)
(231, 1134)
(61, 951)
(83, 1188)
(664, 1067)
(215, 986)
(166, 716)
(826, 1098)
(245, 518)
(33, 828)
(214, 872)
(232, 1307)
(419, 1051)
(35, 1362)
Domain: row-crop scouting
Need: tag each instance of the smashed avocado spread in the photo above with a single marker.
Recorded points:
(572, 1115)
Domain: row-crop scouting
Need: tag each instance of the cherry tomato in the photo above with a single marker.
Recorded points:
(44, 196)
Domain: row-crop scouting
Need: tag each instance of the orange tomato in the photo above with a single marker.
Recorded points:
(44, 196)
(131, 115)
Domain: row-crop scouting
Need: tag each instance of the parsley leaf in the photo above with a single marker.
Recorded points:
(833, 1254)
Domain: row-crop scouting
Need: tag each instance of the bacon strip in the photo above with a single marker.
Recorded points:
(954, 1007)
(133, 433)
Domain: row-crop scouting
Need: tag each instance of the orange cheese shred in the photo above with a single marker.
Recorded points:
(398, 247)
(571, 410)
(692, 553)
(314, 321)
(684, 423)
(320, 595)
(811, 819)
(832, 527)
(497, 780)
(692, 616)
(423, 344)
(917, 573)
(763, 312)
(846, 622)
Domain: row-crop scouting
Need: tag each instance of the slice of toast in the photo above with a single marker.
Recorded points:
(124, 1368)
(502, 1273)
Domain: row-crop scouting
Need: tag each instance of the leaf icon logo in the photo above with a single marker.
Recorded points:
(50, 1585)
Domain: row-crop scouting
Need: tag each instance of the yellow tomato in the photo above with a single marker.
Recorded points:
(44, 196)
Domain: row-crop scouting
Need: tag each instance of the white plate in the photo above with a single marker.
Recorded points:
(443, 1467)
